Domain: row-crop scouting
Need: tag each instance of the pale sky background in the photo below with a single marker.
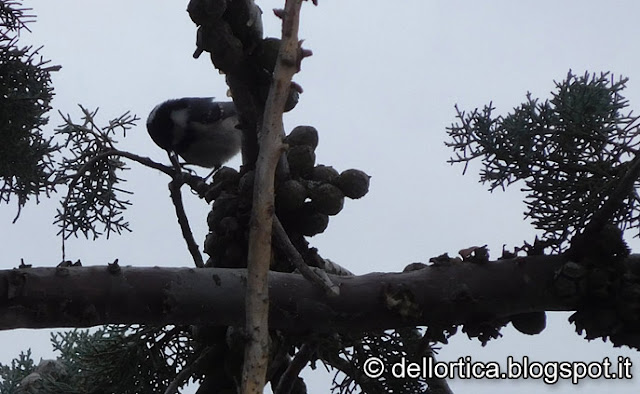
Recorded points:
(380, 89)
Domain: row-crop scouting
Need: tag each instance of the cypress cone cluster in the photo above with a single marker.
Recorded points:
(304, 200)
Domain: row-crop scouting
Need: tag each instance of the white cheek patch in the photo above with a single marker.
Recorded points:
(180, 119)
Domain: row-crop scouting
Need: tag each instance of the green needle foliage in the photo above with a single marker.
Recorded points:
(570, 152)
(112, 359)
(26, 164)
(92, 169)
(12, 375)
(351, 352)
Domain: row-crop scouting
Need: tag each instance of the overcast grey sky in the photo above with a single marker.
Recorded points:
(380, 89)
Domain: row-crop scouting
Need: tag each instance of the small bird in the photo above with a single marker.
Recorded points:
(202, 131)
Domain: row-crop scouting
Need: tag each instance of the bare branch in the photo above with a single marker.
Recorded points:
(296, 365)
(284, 243)
(186, 372)
(259, 249)
(39, 297)
(183, 221)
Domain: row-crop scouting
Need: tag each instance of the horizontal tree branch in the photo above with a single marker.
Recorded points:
(441, 295)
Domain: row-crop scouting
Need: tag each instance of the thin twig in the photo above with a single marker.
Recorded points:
(186, 372)
(183, 221)
(282, 239)
(176, 196)
(616, 199)
(145, 161)
(294, 368)
(313, 259)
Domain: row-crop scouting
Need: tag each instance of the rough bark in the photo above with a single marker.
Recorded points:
(441, 295)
